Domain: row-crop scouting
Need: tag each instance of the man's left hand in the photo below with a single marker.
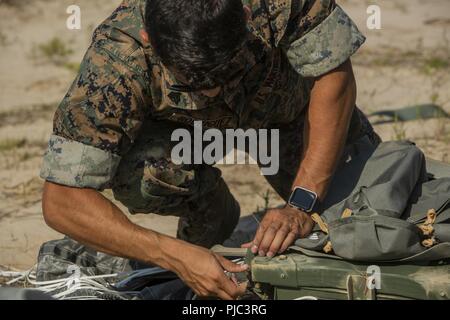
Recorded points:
(279, 229)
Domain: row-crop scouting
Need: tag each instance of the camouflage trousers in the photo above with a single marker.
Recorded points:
(148, 181)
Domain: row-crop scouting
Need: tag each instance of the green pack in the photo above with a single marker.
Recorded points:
(298, 276)
(385, 205)
(301, 274)
(384, 233)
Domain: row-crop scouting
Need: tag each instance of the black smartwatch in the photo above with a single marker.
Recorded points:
(304, 199)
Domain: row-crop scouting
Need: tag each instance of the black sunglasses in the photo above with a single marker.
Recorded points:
(189, 89)
(183, 88)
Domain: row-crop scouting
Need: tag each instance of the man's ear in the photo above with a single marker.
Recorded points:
(144, 36)
(248, 12)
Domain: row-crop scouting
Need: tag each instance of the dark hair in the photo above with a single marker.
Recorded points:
(195, 36)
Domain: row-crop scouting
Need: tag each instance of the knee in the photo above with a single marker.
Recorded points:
(150, 185)
(156, 185)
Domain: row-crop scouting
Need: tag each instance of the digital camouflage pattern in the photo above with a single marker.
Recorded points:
(112, 129)
(63, 257)
(61, 158)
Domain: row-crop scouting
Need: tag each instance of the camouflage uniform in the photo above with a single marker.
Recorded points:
(112, 130)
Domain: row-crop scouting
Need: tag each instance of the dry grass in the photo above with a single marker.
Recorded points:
(427, 60)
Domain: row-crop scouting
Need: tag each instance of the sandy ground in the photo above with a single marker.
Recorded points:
(404, 63)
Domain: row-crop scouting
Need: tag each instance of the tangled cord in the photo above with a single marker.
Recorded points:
(82, 287)
(70, 288)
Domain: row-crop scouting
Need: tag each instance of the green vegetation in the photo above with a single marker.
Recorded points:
(72, 66)
(399, 131)
(3, 39)
(55, 51)
(11, 144)
(266, 198)
(435, 63)
(12, 2)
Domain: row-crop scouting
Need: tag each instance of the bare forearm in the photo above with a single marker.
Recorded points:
(85, 215)
(327, 122)
(331, 106)
(88, 217)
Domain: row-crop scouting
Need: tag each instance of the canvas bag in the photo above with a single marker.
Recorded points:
(384, 206)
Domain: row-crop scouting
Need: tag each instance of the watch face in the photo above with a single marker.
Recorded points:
(303, 199)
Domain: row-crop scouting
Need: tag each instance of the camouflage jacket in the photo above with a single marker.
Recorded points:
(122, 83)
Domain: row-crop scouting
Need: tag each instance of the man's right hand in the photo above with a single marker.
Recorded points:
(204, 272)
(87, 216)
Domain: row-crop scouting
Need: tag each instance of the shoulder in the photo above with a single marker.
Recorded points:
(287, 19)
(119, 36)
(305, 16)
(269, 18)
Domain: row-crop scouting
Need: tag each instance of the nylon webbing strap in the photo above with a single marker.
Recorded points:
(418, 112)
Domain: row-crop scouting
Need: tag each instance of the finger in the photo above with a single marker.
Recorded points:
(231, 266)
(269, 235)
(247, 245)
(290, 238)
(306, 228)
(234, 279)
(258, 238)
(278, 240)
(232, 289)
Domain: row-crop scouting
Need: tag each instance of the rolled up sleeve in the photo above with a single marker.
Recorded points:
(75, 164)
(326, 46)
(96, 123)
